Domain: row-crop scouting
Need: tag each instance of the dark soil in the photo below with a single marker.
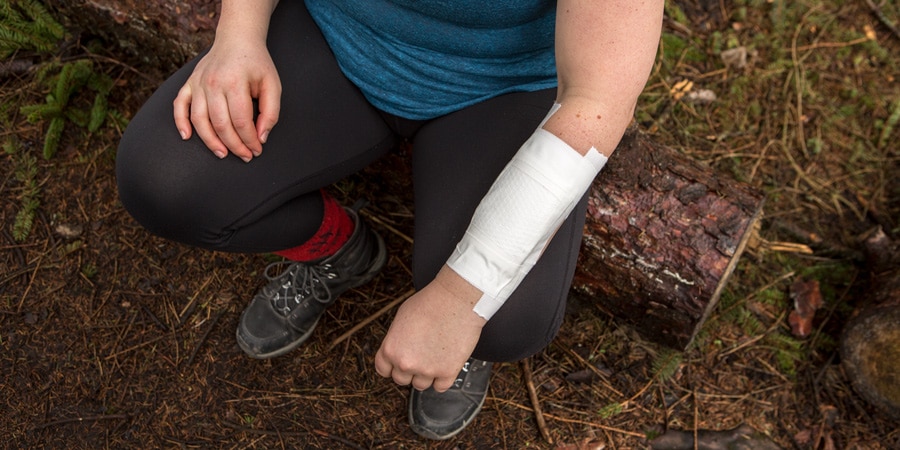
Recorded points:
(113, 338)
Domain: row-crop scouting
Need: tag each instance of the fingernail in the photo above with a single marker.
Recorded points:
(246, 158)
(183, 134)
(264, 137)
(220, 154)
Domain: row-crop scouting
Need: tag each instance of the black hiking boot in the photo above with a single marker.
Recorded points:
(441, 416)
(283, 314)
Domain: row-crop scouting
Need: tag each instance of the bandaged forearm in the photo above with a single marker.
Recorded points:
(521, 212)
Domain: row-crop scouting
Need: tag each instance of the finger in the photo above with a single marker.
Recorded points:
(269, 108)
(382, 366)
(182, 110)
(401, 378)
(442, 384)
(200, 120)
(240, 111)
(421, 382)
(221, 122)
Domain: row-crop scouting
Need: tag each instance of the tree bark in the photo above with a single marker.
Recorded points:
(663, 233)
(870, 343)
(662, 237)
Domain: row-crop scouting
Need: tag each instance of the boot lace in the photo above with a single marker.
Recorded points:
(300, 281)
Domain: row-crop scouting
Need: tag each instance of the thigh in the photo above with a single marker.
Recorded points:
(326, 131)
(455, 160)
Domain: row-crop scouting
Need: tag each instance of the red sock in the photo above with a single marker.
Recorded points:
(336, 228)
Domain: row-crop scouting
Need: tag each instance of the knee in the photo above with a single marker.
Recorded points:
(140, 185)
(150, 188)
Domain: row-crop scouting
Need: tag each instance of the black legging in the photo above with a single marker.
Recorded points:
(327, 131)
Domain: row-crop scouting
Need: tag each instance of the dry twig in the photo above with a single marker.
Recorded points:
(575, 421)
(205, 336)
(882, 18)
(80, 419)
(535, 402)
(369, 319)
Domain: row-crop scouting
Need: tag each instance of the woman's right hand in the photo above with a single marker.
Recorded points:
(217, 98)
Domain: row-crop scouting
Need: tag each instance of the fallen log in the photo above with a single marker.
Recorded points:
(662, 237)
(663, 233)
(870, 342)
(159, 33)
(742, 437)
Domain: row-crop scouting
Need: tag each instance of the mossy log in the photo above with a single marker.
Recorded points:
(663, 232)
(870, 343)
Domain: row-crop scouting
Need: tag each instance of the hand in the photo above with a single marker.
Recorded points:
(433, 334)
(218, 98)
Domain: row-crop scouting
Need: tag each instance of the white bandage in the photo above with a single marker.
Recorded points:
(525, 206)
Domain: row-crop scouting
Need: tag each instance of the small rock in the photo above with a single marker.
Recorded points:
(69, 231)
(735, 57)
(701, 96)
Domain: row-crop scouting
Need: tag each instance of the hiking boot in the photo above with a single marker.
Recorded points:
(441, 416)
(283, 314)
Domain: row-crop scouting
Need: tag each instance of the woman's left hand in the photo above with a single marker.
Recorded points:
(432, 335)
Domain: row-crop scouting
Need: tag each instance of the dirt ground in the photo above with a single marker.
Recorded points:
(113, 338)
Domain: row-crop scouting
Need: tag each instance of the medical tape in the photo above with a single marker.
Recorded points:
(521, 212)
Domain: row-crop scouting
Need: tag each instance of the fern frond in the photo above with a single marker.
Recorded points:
(39, 112)
(610, 410)
(666, 364)
(42, 19)
(72, 77)
(784, 342)
(98, 112)
(23, 223)
(26, 24)
(54, 133)
(749, 322)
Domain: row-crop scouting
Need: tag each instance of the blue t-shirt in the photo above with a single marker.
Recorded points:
(420, 59)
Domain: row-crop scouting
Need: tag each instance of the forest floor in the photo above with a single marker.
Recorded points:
(113, 338)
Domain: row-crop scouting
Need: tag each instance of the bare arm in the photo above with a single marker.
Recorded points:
(217, 98)
(604, 54)
(605, 51)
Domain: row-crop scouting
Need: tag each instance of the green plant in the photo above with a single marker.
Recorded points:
(76, 93)
(787, 350)
(889, 125)
(26, 173)
(60, 106)
(610, 410)
(89, 270)
(26, 25)
(666, 364)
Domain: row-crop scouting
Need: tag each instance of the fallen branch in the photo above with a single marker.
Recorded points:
(535, 402)
(743, 437)
(15, 67)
